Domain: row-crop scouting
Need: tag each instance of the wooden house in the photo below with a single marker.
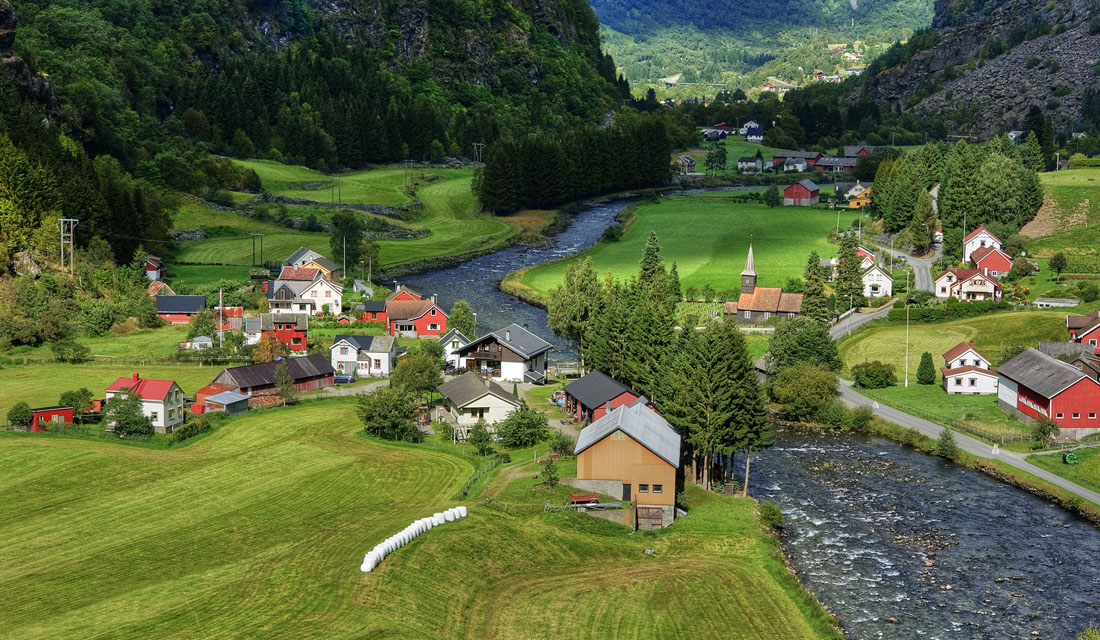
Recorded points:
(978, 238)
(967, 284)
(634, 450)
(468, 398)
(592, 396)
(1034, 385)
(511, 354)
(309, 373)
(991, 261)
(1084, 329)
(289, 328)
(363, 355)
(758, 304)
(161, 400)
(967, 371)
(803, 193)
(302, 256)
(42, 415)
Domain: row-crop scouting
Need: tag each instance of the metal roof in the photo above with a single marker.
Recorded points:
(257, 375)
(642, 424)
(453, 334)
(180, 304)
(304, 254)
(373, 344)
(517, 339)
(226, 397)
(326, 263)
(373, 306)
(1043, 374)
(809, 184)
(469, 386)
(595, 388)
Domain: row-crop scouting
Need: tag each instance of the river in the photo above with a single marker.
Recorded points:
(476, 280)
(877, 531)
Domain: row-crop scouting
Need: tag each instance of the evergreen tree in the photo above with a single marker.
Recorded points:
(814, 267)
(849, 276)
(815, 305)
(573, 305)
(926, 372)
(652, 265)
(675, 294)
(346, 237)
(1031, 154)
(922, 228)
(462, 320)
(961, 194)
(649, 334)
(606, 338)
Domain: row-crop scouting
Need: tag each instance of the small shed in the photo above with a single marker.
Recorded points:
(228, 402)
(1047, 303)
(50, 414)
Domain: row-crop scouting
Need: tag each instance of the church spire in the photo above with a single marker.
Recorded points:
(749, 267)
(748, 276)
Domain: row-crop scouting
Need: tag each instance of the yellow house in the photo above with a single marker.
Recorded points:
(326, 266)
(863, 199)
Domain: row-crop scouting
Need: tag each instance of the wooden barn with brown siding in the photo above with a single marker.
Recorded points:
(309, 373)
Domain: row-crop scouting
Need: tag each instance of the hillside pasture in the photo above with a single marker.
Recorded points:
(261, 526)
(708, 238)
(42, 384)
(1072, 223)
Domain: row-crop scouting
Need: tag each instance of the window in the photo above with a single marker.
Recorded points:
(433, 326)
(643, 488)
(1092, 342)
(657, 488)
(747, 316)
(377, 363)
(343, 351)
(433, 313)
(958, 382)
(1092, 416)
(1059, 415)
(153, 416)
(314, 294)
(943, 289)
(328, 294)
(973, 382)
(1076, 416)
(454, 344)
(295, 341)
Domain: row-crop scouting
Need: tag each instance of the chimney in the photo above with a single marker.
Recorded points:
(433, 298)
(607, 407)
(135, 376)
(507, 335)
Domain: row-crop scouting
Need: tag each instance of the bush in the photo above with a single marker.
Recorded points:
(874, 375)
(190, 429)
(561, 444)
(770, 515)
(803, 389)
(612, 233)
(20, 415)
(946, 447)
(834, 414)
(1088, 291)
(1042, 430)
(860, 418)
(69, 350)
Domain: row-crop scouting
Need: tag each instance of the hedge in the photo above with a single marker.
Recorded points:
(951, 310)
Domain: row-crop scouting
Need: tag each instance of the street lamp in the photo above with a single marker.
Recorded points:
(907, 334)
(849, 314)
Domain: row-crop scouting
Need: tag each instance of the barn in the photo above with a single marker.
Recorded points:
(633, 451)
(309, 373)
(179, 309)
(43, 415)
(803, 193)
(589, 398)
(1034, 385)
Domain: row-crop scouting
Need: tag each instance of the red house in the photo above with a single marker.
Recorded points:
(154, 267)
(803, 193)
(1084, 329)
(50, 414)
(408, 314)
(1034, 385)
(991, 261)
(589, 398)
(780, 157)
(373, 311)
(289, 328)
(179, 309)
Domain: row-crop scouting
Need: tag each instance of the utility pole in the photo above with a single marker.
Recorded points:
(221, 321)
(344, 267)
(478, 147)
(907, 340)
(261, 237)
(68, 232)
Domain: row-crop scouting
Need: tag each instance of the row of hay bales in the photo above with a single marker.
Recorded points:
(406, 535)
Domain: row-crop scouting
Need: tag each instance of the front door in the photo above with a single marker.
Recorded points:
(626, 493)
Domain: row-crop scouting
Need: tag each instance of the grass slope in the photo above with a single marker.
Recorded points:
(42, 384)
(1085, 473)
(144, 343)
(260, 527)
(708, 238)
(1077, 233)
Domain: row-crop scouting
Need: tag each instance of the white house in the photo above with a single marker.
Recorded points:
(154, 268)
(976, 239)
(754, 135)
(967, 284)
(452, 341)
(468, 398)
(794, 164)
(161, 400)
(967, 371)
(856, 189)
(751, 124)
(364, 355)
(297, 296)
(511, 354)
(302, 257)
(877, 283)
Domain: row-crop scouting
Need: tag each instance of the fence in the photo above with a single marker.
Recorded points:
(93, 432)
(485, 468)
(949, 422)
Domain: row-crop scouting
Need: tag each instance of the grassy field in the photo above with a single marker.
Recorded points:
(1085, 473)
(736, 147)
(144, 343)
(980, 412)
(450, 212)
(1078, 228)
(42, 384)
(709, 240)
(260, 528)
(184, 276)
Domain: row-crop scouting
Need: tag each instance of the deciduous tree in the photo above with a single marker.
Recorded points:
(462, 319)
(523, 427)
(284, 383)
(122, 413)
(389, 412)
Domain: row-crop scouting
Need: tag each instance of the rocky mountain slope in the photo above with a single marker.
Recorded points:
(985, 69)
(12, 67)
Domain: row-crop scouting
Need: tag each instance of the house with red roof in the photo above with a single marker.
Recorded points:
(978, 238)
(154, 268)
(305, 274)
(967, 285)
(410, 315)
(1084, 329)
(966, 371)
(161, 400)
(992, 261)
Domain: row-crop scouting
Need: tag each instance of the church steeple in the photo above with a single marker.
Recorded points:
(748, 276)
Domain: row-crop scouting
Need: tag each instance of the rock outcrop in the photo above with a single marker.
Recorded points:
(990, 96)
(14, 70)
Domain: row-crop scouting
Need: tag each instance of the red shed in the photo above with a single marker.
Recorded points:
(50, 414)
(1035, 385)
(801, 194)
(588, 398)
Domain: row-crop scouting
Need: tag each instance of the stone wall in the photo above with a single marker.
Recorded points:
(610, 488)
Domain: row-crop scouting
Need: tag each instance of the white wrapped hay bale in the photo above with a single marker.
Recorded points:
(439, 519)
(449, 514)
(461, 512)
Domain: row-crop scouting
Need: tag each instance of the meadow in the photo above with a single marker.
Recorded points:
(260, 527)
(148, 344)
(41, 385)
(450, 212)
(708, 238)
(736, 147)
(1077, 216)
(1085, 473)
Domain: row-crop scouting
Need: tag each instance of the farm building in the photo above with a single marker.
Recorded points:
(452, 341)
(794, 165)
(198, 343)
(154, 268)
(308, 372)
(589, 398)
(161, 400)
(42, 415)
(803, 193)
(511, 354)
(468, 398)
(967, 371)
(1085, 329)
(289, 328)
(159, 288)
(364, 355)
(212, 389)
(634, 453)
(751, 165)
(228, 402)
(835, 165)
(858, 150)
(758, 304)
(179, 309)
(780, 157)
(1034, 385)
(1082, 356)
(978, 238)
(371, 311)
(991, 261)
(754, 135)
(967, 284)
(1049, 303)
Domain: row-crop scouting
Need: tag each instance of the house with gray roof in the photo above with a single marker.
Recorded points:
(302, 256)
(590, 397)
(469, 398)
(452, 341)
(309, 373)
(511, 354)
(1034, 386)
(363, 356)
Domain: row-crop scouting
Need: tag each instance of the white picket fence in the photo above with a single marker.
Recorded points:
(407, 535)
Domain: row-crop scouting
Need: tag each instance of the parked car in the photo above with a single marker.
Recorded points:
(343, 379)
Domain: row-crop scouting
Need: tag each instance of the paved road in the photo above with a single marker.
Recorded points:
(922, 267)
(853, 398)
(353, 389)
(855, 321)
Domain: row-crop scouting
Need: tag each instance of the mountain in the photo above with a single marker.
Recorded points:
(987, 66)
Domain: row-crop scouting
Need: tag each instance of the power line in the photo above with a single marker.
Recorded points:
(68, 232)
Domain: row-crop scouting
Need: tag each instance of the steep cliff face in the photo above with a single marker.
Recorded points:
(13, 68)
(1049, 63)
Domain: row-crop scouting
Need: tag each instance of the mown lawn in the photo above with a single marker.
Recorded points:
(260, 529)
(185, 277)
(709, 239)
(1085, 473)
(145, 343)
(42, 384)
(933, 403)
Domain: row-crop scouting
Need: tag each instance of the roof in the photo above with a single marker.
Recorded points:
(1069, 302)
(453, 334)
(299, 273)
(790, 302)
(469, 387)
(266, 322)
(147, 388)
(401, 288)
(202, 339)
(753, 132)
(1043, 374)
(967, 369)
(750, 268)
(517, 339)
(963, 275)
(256, 375)
(729, 307)
(876, 267)
(231, 312)
(329, 265)
(973, 234)
(784, 153)
(836, 162)
(761, 299)
(747, 159)
(809, 184)
(642, 424)
(152, 259)
(1080, 322)
(54, 408)
(961, 348)
(596, 388)
(853, 150)
(843, 187)
(180, 304)
(373, 306)
(373, 344)
(982, 253)
(303, 254)
(409, 309)
(159, 288)
(296, 287)
(226, 397)
(1072, 349)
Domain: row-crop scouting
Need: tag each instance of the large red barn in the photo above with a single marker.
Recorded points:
(801, 194)
(1034, 385)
